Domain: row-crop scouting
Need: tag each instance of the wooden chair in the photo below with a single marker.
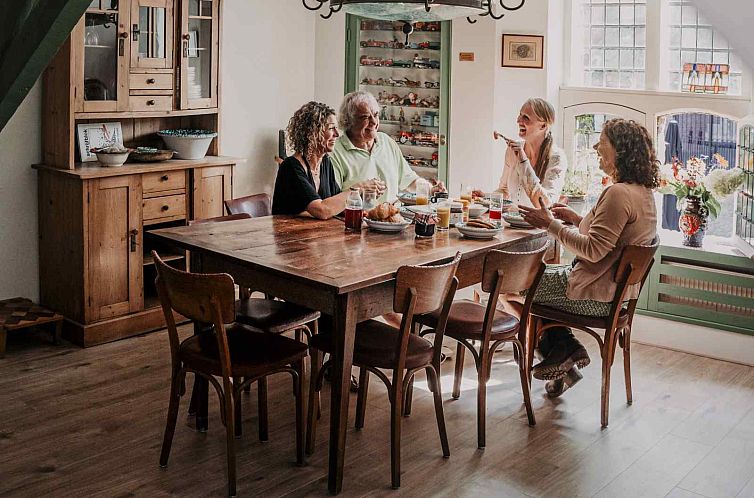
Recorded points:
(256, 205)
(470, 322)
(270, 316)
(230, 351)
(633, 268)
(379, 346)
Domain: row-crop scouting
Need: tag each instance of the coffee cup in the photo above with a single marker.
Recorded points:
(439, 196)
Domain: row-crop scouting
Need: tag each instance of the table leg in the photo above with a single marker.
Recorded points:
(3, 335)
(57, 332)
(344, 331)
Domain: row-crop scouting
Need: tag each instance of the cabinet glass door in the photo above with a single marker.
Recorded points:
(199, 54)
(152, 34)
(105, 57)
(410, 79)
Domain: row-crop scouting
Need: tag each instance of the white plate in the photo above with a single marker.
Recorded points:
(515, 221)
(477, 233)
(386, 226)
(407, 198)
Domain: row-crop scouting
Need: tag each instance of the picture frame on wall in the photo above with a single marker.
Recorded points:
(96, 135)
(523, 51)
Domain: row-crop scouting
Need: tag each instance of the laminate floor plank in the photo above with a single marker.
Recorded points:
(89, 422)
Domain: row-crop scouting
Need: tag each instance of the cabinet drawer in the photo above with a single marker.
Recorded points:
(151, 102)
(161, 181)
(162, 81)
(169, 207)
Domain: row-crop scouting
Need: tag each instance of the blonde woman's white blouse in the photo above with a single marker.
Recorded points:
(521, 183)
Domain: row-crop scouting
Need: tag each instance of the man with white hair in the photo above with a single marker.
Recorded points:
(363, 152)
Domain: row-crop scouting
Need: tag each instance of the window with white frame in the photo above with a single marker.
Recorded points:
(694, 40)
(614, 43)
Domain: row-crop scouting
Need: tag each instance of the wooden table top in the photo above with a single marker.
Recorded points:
(321, 252)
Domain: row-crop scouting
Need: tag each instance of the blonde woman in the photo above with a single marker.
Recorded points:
(534, 167)
(305, 183)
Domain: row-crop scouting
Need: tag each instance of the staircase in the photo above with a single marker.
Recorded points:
(31, 31)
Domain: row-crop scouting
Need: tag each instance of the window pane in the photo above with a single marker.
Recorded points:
(639, 79)
(611, 37)
(675, 14)
(675, 37)
(719, 41)
(611, 14)
(675, 81)
(598, 37)
(720, 57)
(639, 59)
(598, 14)
(626, 80)
(626, 59)
(675, 59)
(688, 56)
(626, 37)
(688, 37)
(641, 37)
(704, 56)
(688, 16)
(640, 14)
(598, 78)
(626, 14)
(704, 38)
(611, 59)
(598, 58)
(611, 79)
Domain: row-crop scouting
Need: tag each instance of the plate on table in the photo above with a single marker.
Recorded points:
(515, 220)
(386, 226)
(407, 198)
(477, 232)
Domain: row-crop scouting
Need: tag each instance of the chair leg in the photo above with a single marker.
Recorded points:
(230, 442)
(175, 400)
(608, 353)
(396, 412)
(262, 401)
(439, 412)
(247, 387)
(299, 334)
(458, 374)
(409, 397)
(298, 385)
(311, 425)
(627, 364)
(361, 400)
(237, 408)
(481, 400)
(524, 382)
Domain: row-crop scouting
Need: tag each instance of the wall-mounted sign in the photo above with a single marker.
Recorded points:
(466, 56)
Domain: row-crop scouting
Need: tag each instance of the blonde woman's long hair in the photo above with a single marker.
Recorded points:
(546, 113)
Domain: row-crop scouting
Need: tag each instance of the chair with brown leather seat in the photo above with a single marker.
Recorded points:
(271, 316)
(379, 346)
(470, 322)
(255, 205)
(229, 351)
(633, 268)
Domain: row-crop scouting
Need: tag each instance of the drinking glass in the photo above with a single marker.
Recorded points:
(370, 198)
(422, 192)
(496, 208)
(466, 192)
(443, 215)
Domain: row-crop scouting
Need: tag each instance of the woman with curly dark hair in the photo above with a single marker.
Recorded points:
(305, 181)
(624, 215)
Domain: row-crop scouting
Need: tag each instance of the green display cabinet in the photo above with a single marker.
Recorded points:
(411, 81)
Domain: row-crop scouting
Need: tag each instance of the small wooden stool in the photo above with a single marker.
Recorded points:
(21, 313)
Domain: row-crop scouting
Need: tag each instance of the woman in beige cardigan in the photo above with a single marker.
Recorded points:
(624, 215)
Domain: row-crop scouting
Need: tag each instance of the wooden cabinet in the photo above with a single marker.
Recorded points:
(152, 34)
(200, 48)
(95, 265)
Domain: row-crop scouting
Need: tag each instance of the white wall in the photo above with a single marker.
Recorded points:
(267, 72)
(20, 147)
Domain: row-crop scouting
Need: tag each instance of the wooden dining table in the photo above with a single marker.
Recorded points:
(349, 276)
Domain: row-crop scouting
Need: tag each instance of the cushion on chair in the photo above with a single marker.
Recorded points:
(375, 344)
(596, 322)
(466, 319)
(271, 316)
(251, 353)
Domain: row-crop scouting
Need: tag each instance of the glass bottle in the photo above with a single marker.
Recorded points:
(354, 210)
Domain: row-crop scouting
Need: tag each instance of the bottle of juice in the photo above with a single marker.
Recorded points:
(354, 210)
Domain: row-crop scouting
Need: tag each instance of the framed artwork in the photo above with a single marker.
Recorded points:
(523, 51)
(95, 135)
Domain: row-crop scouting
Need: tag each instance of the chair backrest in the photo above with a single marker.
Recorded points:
(256, 205)
(430, 283)
(230, 217)
(635, 262)
(519, 269)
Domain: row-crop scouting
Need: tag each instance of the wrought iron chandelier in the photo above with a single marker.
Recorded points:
(415, 10)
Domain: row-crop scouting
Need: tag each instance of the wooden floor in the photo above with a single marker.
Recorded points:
(77, 422)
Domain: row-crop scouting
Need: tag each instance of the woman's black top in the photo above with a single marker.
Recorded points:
(294, 186)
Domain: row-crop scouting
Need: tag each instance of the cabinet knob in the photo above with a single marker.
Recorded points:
(150, 81)
(124, 35)
(165, 208)
(150, 102)
(186, 37)
(164, 178)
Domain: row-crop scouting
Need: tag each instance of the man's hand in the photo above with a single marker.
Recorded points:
(438, 186)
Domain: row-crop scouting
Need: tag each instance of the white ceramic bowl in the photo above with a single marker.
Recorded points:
(112, 159)
(477, 210)
(188, 146)
(386, 226)
(477, 233)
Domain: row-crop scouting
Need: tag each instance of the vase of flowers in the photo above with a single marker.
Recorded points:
(699, 192)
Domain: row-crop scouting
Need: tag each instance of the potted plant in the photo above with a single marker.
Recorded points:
(699, 194)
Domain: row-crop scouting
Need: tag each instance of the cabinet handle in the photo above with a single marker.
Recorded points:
(122, 44)
(185, 49)
(150, 81)
(165, 208)
(133, 233)
(150, 102)
(443, 141)
(164, 178)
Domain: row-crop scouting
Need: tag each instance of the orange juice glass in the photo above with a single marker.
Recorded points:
(443, 215)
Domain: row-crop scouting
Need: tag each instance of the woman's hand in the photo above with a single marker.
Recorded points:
(566, 214)
(518, 149)
(536, 217)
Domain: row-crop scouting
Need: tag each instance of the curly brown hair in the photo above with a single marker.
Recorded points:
(306, 129)
(636, 161)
